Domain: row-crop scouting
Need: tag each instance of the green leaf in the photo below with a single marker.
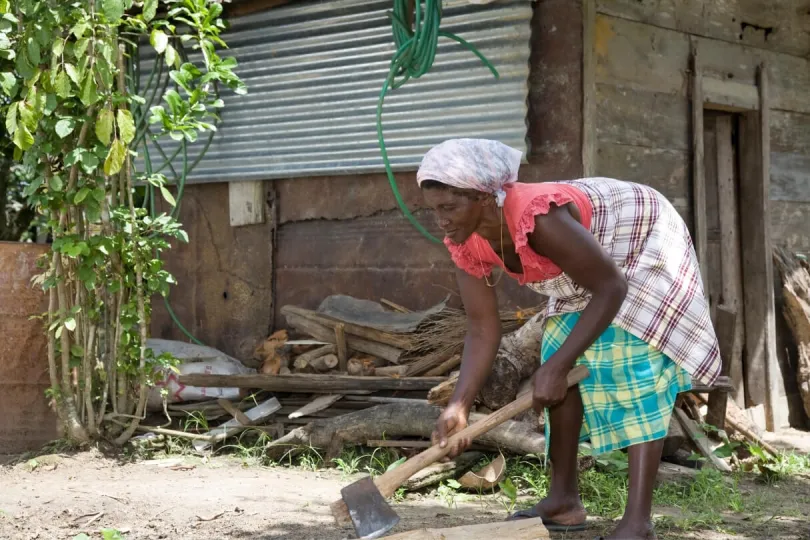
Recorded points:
(23, 138)
(171, 56)
(62, 85)
(99, 194)
(11, 118)
(34, 54)
(58, 47)
(113, 9)
(81, 195)
(56, 183)
(104, 126)
(159, 40)
(79, 29)
(70, 324)
(81, 47)
(75, 350)
(50, 104)
(115, 158)
(168, 196)
(64, 127)
(8, 81)
(70, 69)
(509, 489)
(453, 484)
(89, 90)
(126, 125)
(149, 9)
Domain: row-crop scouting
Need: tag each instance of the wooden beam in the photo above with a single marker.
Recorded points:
(246, 202)
(718, 399)
(315, 383)
(523, 529)
(700, 231)
(588, 88)
(730, 261)
(729, 96)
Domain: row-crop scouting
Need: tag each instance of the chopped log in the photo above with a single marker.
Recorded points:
(342, 347)
(284, 371)
(487, 477)
(327, 334)
(315, 384)
(700, 440)
(442, 393)
(320, 363)
(438, 472)
(309, 356)
(394, 421)
(431, 361)
(395, 341)
(316, 405)
(443, 368)
(359, 367)
(391, 371)
(521, 529)
(795, 275)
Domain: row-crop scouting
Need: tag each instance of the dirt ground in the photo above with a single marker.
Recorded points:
(187, 498)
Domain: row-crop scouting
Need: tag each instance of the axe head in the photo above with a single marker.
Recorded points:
(370, 513)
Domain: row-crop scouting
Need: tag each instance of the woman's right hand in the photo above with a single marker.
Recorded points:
(452, 420)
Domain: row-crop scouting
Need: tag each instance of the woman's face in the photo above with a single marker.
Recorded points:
(458, 213)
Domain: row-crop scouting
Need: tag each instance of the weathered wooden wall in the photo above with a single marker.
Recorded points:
(345, 234)
(641, 84)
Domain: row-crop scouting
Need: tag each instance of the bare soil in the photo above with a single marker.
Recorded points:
(188, 498)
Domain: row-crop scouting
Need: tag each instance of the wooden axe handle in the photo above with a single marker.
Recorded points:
(389, 482)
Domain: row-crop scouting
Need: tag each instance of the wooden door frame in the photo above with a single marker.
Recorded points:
(752, 105)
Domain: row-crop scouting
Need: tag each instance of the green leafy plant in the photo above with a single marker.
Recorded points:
(77, 116)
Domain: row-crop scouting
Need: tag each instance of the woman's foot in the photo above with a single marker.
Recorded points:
(629, 529)
(557, 512)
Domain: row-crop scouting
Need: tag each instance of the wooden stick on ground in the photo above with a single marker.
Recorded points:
(522, 529)
(701, 441)
(233, 411)
(442, 369)
(318, 404)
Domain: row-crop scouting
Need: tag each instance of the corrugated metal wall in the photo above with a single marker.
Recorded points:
(314, 72)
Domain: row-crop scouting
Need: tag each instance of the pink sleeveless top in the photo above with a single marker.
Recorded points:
(523, 202)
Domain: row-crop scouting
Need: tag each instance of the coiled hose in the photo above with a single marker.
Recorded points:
(416, 51)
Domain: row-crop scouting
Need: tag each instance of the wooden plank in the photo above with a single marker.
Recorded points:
(790, 177)
(399, 341)
(588, 88)
(315, 383)
(790, 222)
(641, 118)
(726, 337)
(730, 96)
(730, 261)
(790, 133)
(700, 440)
(430, 361)
(698, 169)
(246, 203)
(316, 405)
(232, 427)
(231, 409)
(523, 529)
(663, 169)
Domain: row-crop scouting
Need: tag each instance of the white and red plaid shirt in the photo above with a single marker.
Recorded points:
(665, 304)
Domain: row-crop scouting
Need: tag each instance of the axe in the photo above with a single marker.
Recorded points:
(363, 502)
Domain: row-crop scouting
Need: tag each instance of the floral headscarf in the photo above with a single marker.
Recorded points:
(479, 164)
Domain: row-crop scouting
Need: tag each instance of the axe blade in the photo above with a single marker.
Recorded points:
(370, 513)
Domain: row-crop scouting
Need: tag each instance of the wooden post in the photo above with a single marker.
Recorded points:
(246, 203)
(588, 88)
(718, 399)
(730, 263)
(698, 172)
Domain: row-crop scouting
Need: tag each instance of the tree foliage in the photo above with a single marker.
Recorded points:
(77, 116)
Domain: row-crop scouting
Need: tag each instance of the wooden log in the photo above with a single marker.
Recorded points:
(320, 364)
(446, 366)
(316, 405)
(391, 371)
(438, 472)
(342, 347)
(398, 420)
(315, 383)
(441, 394)
(431, 361)
(700, 440)
(327, 333)
(726, 334)
(398, 341)
(308, 356)
(359, 367)
(522, 529)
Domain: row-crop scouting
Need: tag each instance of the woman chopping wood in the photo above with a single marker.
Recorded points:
(625, 299)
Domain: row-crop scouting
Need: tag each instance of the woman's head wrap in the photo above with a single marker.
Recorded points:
(479, 164)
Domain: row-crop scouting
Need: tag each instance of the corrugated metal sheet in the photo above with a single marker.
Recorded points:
(314, 71)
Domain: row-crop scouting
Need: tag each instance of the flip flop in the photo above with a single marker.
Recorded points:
(549, 524)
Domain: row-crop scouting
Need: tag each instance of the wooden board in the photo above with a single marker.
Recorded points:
(246, 202)
(316, 405)
(588, 88)
(699, 229)
(790, 132)
(790, 177)
(790, 222)
(663, 169)
(523, 529)
(316, 384)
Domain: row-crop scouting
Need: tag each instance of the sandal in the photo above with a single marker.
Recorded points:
(549, 524)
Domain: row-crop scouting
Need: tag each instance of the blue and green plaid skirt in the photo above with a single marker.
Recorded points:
(629, 396)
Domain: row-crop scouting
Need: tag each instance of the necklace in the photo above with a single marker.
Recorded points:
(481, 261)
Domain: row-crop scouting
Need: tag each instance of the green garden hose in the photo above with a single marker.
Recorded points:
(416, 50)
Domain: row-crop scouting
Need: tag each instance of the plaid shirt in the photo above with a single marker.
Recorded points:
(665, 304)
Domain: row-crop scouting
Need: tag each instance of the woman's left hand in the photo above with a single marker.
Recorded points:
(550, 386)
